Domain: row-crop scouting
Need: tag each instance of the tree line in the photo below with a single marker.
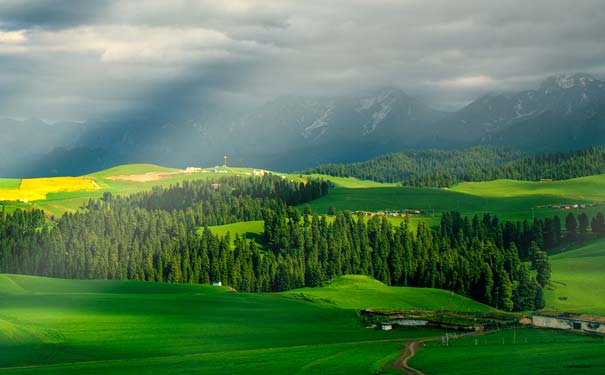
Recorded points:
(155, 236)
(443, 168)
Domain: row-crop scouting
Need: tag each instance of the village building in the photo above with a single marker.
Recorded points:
(581, 323)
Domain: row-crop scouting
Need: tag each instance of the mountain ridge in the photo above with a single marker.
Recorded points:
(564, 113)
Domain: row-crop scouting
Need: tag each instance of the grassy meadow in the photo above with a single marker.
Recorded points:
(10, 183)
(511, 200)
(359, 292)
(582, 189)
(522, 351)
(56, 326)
(578, 280)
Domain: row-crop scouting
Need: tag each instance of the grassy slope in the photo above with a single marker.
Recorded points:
(583, 189)
(152, 328)
(535, 352)
(10, 183)
(359, 292)
(351, 182)
(129, 169)
(578, 280)
(58, 203)
(514, 200)
(510, 199)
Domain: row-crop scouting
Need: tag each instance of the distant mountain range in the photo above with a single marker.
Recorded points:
(567, 112)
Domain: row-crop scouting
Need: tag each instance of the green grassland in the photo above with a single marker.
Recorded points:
(56, 326)
(531, 351)
(588, 189)
(513, 200)
(360, 292)
(58, 203)
(516, 200)
(350, 182)
(10, 183)
(130, 169)
(578, 280)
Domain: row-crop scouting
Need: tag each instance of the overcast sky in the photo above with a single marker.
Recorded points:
(80, 59)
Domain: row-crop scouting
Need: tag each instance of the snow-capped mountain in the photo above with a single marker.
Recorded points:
(336, 128)
(565, 112)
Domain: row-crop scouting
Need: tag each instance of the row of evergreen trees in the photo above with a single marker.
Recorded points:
(443, 168)
(138, 237)
(153, 236)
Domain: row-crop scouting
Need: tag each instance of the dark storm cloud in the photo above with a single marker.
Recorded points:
(96, 58)
(54, 14)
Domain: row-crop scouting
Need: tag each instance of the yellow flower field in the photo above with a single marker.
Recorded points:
(33, 189)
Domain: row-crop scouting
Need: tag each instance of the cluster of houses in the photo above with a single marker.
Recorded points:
(191, 170)
(388, 325)
(566, 206)
(404, 213)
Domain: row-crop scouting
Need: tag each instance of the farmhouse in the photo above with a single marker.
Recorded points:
(582, 323)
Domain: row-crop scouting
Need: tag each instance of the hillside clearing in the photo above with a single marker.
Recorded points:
(578, 280)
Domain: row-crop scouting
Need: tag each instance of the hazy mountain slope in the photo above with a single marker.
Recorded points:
(566, 112)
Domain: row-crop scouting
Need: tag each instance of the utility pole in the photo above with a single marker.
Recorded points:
(225, 162)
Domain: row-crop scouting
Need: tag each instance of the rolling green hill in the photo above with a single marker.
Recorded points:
(511, 200)
(351, 182)
(56, 326)
(514, 200)
(360, 292)
(582, 189)
(131, 169)
(578, 280)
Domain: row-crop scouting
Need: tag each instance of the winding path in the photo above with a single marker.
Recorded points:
(407, 353)
(411, 347)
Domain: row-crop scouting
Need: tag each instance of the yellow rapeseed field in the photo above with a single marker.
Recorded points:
(33, 189)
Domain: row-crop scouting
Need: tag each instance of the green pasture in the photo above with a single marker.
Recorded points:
(520, 351)
(434, 201)
(578, 280)
(10, 183)
(350, 182)
(360, 292)
(55, 326)
(132, 169)
(581, 189)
